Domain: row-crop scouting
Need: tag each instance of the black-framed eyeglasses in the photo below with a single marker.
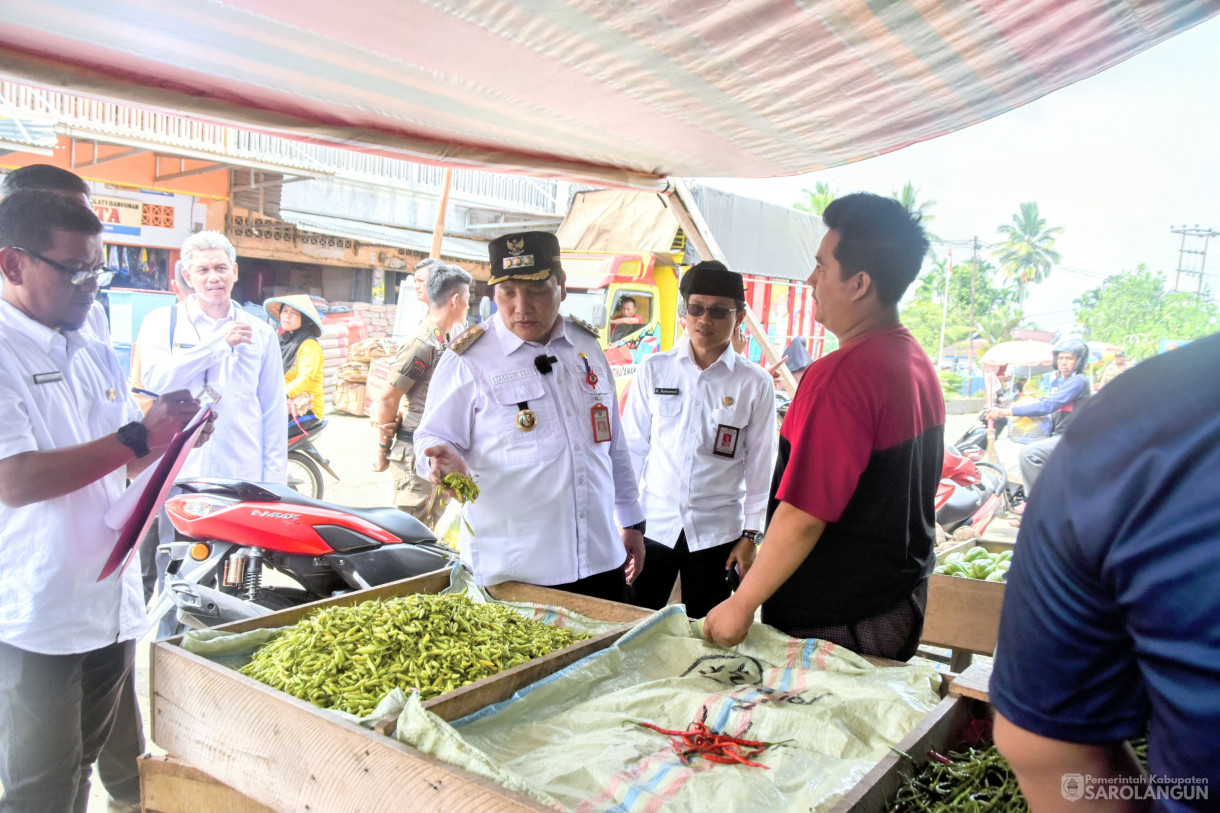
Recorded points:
(78, 276)
(716, 312)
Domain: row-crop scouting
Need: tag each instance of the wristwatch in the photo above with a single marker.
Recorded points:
(753, 536)
(134, 436)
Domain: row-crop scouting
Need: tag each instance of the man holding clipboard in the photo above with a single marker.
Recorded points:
(70, 438)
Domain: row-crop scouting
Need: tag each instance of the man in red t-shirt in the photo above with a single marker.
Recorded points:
(850, 536)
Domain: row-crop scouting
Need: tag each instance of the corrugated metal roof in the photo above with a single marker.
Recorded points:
(457, 248)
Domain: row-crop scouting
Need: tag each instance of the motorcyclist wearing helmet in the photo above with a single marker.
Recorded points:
(1070, 388)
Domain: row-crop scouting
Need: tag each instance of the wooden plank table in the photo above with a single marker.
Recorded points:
(293, 757)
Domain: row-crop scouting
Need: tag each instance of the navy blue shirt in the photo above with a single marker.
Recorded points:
(1111, 619)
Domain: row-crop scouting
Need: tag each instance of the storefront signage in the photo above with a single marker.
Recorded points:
(119, 215)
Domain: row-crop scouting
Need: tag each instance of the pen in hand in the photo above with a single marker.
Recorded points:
(149, 393)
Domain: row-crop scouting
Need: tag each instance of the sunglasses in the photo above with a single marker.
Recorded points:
(716, 312)
(78, 276)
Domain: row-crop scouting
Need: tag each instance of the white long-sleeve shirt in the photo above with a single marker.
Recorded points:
(59, 390)
(701, 443)
(549, 498)
(250, 440)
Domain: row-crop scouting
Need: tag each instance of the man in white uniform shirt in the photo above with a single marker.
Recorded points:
(525, 403)
(70, 438)
(700, 423)
(216, 344)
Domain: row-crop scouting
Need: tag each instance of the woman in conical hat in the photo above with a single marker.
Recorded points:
(300, 327)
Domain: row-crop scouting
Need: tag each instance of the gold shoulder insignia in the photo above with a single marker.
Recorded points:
(469, 337)
(594, 332)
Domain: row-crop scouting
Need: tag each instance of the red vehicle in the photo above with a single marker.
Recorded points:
(236, 531)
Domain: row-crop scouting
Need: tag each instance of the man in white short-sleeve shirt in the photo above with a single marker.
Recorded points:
(700, 423)
(70, 438)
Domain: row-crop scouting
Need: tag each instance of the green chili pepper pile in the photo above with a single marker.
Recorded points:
(969, 781)
(348, 658)
(977, 563)
(463, 485)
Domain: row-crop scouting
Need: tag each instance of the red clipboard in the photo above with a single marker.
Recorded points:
(156, 490)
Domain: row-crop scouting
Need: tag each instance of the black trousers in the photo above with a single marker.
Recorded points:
(610, 585)
(703, 576)
(55, 713)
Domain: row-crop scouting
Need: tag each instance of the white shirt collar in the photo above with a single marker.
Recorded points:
(195, 312)
(45, 337)
(728, 358)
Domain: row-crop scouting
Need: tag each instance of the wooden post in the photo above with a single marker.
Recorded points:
(696, 228)
(438, 231)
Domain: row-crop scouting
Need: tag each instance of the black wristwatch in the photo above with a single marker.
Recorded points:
(134, 436)
(639, 526)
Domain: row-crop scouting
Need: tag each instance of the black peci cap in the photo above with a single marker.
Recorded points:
(528, 255)
(712, 278)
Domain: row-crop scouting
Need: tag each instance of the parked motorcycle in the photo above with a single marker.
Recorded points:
(305, 462)
(236, 531)
(970, 492)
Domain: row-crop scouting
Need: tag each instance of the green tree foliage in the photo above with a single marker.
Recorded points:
(908, 196)
(922, 311)
(1028, 251)
(1135, 311)
(816, 201)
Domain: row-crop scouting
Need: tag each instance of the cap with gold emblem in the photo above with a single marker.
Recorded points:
(528, 256)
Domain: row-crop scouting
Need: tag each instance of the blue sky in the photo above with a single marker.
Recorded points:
(1116, 160)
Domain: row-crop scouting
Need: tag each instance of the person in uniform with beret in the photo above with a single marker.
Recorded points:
(449, 301)
(700, 423)
(525, 404)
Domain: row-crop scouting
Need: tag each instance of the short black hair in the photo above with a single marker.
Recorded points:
(30, 218)
(444, 280)
(879, 236)
(624, 300)
(44, 177)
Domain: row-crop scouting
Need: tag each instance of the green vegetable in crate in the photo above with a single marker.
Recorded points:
(462, 485)
(974, 779)
(976, 563)
(348, 658)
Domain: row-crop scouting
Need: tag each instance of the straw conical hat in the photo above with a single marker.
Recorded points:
(300, 302)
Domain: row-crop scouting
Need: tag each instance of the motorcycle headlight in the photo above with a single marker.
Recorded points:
(200, 505)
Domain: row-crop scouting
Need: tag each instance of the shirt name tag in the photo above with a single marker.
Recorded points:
(515, 375)
(665, 391)
(48, 378)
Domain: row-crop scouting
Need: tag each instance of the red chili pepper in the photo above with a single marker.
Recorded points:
(941, 758)
(699, 740)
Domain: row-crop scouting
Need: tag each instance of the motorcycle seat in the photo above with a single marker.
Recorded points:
(399, 523)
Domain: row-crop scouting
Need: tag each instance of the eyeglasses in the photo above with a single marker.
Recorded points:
(716, 312)
(78, 276)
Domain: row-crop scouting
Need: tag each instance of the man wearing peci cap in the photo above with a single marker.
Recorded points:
(700, 423)
(525, 404)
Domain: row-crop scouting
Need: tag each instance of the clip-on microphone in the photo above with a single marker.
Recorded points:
(544, 362)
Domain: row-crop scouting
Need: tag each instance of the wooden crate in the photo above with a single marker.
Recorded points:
(290, 755)
(938, 731)
(989, 545)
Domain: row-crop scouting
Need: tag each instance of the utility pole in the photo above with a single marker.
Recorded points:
(1195, 233)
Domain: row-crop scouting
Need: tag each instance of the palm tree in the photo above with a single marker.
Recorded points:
(1029, 249)
(816, 202)
(997, 326)
(908, 196)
